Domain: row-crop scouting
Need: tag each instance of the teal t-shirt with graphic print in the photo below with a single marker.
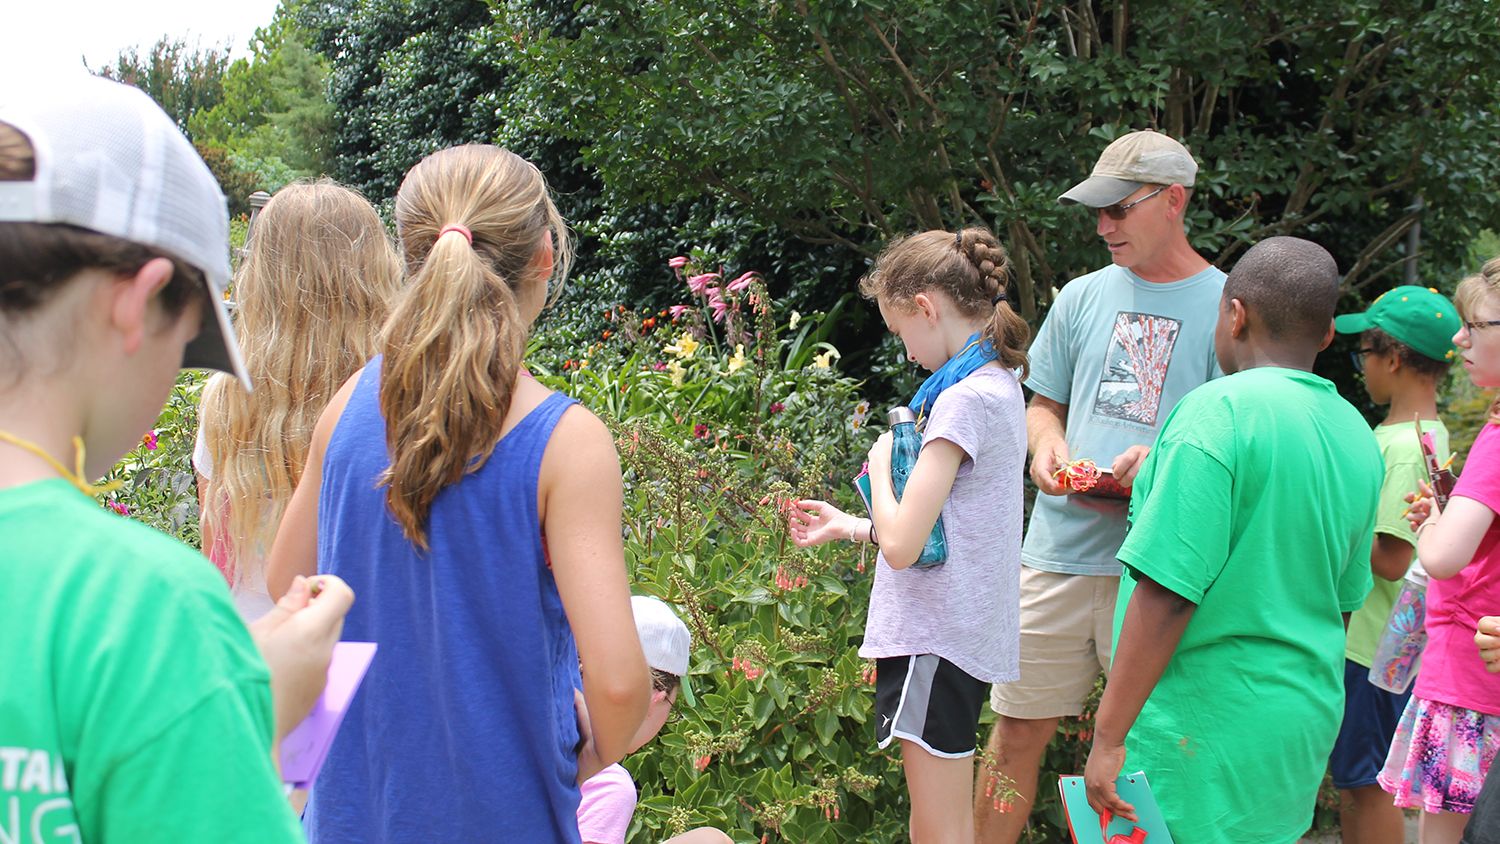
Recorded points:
(1120, 352)
(1257, 504)
(135, 706)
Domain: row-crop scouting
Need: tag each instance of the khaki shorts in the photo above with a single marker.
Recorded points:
(1067, 621)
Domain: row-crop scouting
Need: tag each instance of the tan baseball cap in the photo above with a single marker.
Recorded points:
(1131, 162)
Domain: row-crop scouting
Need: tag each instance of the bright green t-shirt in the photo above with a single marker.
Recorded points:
(1257, 503)
(1404, 468)
(134, 707)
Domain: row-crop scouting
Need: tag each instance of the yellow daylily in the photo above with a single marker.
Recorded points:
(677, 372)
(684, 347)
(737, 362)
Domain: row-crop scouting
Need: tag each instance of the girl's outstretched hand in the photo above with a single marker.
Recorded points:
(814, 522)
(1423, 507)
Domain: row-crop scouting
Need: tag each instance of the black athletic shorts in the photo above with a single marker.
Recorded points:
(928, 700)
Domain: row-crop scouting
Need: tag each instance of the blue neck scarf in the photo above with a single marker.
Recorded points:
(976, 353)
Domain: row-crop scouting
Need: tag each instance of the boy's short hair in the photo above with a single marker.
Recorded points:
(95, 175)
(1382, 343)
(662, 681)
(1290, 283)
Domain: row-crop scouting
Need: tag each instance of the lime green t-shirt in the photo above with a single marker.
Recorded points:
(1404, 468)
(1257, 503)
(135, 706)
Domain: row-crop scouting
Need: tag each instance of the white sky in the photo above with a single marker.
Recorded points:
(50, 36)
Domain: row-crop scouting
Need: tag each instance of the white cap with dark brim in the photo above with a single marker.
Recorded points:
(108, 159)
(1129, 163)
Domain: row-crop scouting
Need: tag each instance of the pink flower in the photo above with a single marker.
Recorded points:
(742, 282)
(700, 431)
(701, 763)
(698, 283)
(678, 310)
(776, 407)
(659, 366)
(720, 307)
(149, 441)
(677, 263)
(118, 507)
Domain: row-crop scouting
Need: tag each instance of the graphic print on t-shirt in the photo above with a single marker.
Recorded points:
(1135, 367)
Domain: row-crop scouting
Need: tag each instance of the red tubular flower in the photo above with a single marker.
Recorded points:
(742, 282)
(720, 307)
(698, 283)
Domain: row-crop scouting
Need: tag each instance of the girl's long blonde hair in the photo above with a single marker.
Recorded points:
(454, 341)
(1473, 291)
(315, 284)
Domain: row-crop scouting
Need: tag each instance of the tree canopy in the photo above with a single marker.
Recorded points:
(847, 122)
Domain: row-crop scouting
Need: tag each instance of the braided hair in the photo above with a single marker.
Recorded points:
(971, 267)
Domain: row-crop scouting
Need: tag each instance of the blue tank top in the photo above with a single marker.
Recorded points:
(464, 728)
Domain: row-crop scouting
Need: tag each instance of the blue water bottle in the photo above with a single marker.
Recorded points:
(906, 443)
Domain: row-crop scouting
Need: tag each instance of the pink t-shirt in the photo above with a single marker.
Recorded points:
(1452, 671)
(606, 802)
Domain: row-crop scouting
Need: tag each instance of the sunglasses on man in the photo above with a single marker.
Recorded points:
(1118, 211)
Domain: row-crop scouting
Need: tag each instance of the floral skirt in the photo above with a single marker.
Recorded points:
(1439, 756)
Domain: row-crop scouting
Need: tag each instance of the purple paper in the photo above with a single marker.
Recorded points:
(305, 748)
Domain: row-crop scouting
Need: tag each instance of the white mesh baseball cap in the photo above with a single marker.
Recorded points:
(108, 159)
(664, 638)
(1128, 164)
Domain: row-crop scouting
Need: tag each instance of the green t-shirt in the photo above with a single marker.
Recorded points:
(1404, 468)
(134, 706)
(1257, 503)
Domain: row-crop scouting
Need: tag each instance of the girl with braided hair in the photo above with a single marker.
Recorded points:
(941, 635)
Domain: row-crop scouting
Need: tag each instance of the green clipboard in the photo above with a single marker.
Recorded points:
(1088, 828)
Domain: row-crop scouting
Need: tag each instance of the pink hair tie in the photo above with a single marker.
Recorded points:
(463, 230)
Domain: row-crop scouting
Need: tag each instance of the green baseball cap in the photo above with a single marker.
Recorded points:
(1420, 317)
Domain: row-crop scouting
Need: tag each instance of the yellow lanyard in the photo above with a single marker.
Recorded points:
(75, 478)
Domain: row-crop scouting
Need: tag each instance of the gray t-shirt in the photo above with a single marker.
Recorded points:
(967, 610)
(1120, 352)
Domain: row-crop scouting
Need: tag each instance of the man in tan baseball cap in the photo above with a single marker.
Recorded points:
(1132, 162)
(1117, 350)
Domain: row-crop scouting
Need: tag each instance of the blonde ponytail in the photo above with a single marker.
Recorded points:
(454, 341)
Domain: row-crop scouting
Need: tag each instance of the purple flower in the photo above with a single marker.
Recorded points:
(698, 283)
(742, 282)
(149, 441)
